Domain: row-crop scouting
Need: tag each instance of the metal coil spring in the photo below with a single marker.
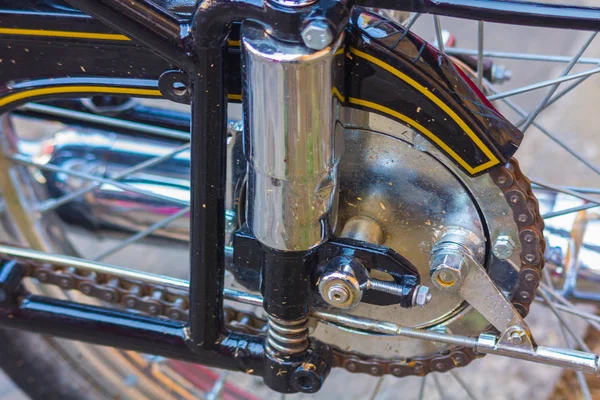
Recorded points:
(287, 337)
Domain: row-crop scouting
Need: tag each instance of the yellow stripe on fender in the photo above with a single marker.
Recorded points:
(32, 93)
(473, 170)
(67, 34)
(11, 98)
(414, 124)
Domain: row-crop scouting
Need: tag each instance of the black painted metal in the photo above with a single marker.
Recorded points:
(204, 65)
(208, 164)
(212, 21)
(285, 283)
(110, 327)
(10, 279)
(141, 20)
(304, 373)
(503, 11)
(283, 273)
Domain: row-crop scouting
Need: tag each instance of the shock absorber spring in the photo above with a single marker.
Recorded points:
(287, 337)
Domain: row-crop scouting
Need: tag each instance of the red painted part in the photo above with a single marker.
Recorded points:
(204, 379)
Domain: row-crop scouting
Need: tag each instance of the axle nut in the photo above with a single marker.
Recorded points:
(446, 270)
(317, 35)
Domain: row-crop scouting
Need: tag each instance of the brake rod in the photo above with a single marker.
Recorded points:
(484, 343)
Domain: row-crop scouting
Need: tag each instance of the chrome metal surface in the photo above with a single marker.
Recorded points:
(290, 142)
(363, 228)
(106, 121)
(107, 207)
(481, 293)
(447, 261)
(456, 266)
(286, 335)
(376, 181)
(500, 74)
(345, 280)
(564, 358)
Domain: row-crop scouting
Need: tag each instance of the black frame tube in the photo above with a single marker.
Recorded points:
(208, 174)
(110, 327)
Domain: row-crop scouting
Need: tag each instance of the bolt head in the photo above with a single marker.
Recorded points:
(516, 336)
(500, 73)
(338, 294)
(340, 290)
(317, 35)
(503, 247)
(422, 296)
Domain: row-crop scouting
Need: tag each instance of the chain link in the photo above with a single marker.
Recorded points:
(155, 300)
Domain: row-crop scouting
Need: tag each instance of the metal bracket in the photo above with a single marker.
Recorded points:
(481, 293)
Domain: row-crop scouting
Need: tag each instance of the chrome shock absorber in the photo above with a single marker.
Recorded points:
(292, 188)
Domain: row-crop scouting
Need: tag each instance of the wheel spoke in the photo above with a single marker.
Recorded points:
(438, 386)
(583, 190)
(422, 388)
(580, 377)
(567, 191)
(480, 38)
(106, 121)
(55, 203)
(542, 84)
(564, 329)
(593, 320)
(550, 135)
(566, 211)
(553, 89)
(438, 33)
(585, 389)
(463, 384)
(411, 21)
(142, 234)
(520, 56)
(577, 339)
(557, 97)
(377, 388)
(216, 393)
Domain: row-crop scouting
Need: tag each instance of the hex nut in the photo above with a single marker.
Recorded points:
(503, 247)
(317, 35)
(422, 296)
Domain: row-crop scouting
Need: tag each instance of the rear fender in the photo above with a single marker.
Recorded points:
(393, 72)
